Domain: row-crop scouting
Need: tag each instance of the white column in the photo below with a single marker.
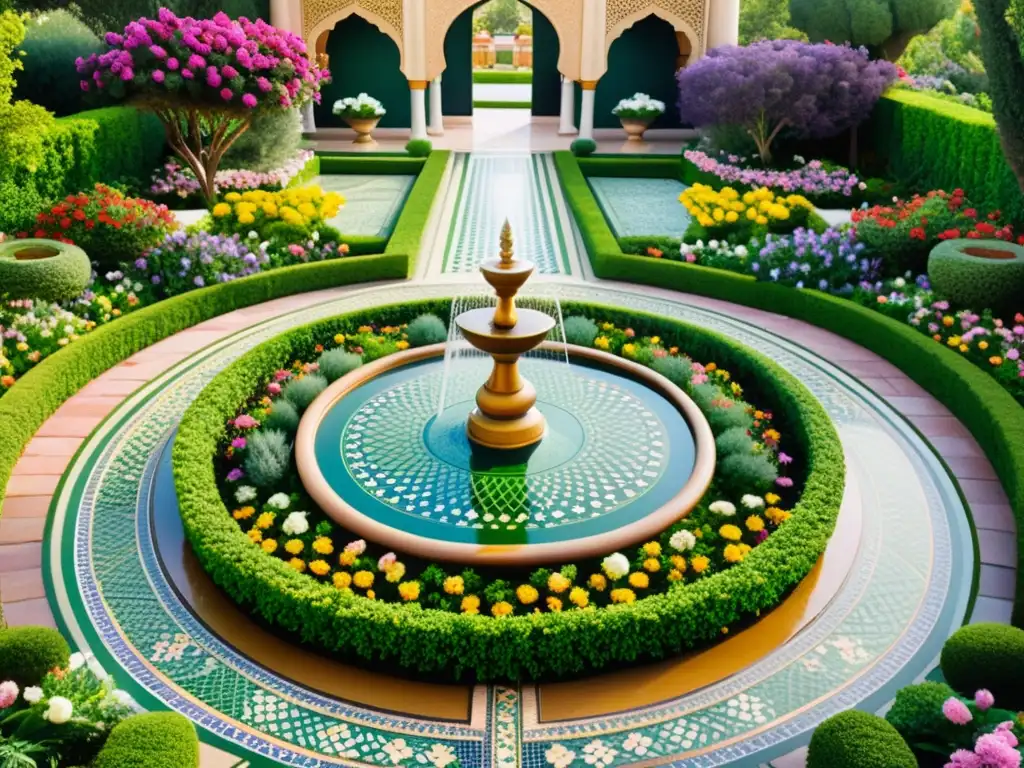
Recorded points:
(419, 109)
(587, 111)
(281, 14)
(308, 123)
(567, 116)
(724, 24)
(436, 110)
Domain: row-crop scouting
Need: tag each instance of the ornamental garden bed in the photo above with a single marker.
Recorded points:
(754, 535)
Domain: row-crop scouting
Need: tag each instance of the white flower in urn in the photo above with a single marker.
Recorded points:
(361, 107)
(615, 566)
(639, 107)
(682, 540)
(295, 524)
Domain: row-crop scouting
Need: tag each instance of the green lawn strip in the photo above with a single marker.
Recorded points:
(370, 165)
(489, 104)
(502, 77)
(407, 237)
(991, 414)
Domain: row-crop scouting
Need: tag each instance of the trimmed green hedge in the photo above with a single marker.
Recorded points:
(657, 167)
(548, 645)
(384, 165)
(502, 77)
(855, 739)
(989, 656)
(151, 740)
(407, 237)
(990, 413)
(940, 145)
(495, 104)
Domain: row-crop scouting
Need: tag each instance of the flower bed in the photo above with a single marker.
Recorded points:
(179, 187)
(430, 627)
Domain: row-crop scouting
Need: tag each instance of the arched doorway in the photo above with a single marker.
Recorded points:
(364, 60)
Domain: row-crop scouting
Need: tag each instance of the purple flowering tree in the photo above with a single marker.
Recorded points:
(814, 91)
(205, 80)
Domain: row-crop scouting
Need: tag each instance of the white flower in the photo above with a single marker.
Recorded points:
(682, 540)
(245, 494)
(279, 501)
(713, 244)
(723, 508)
(899, 282)
(253, 234)
(398, 751)
(750, 501)
(559, 756)
(616, 566)
(122, 698)
(33, 694)
(440, 755)
(75, 661)
(316, 236)
(741, 251)
(295, 524)
(799, 160)
(862, 186)
(59, 710)
(637, 743)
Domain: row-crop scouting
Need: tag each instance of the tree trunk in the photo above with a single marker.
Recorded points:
(893, 47)
(1000, 50)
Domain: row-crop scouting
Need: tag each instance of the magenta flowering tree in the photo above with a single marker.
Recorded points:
(205, 79)
(813, 91)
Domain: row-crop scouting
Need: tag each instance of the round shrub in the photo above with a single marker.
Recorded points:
(53, 40)
(583, 147)
(755, 472)
(267, 457)
(28, 653)
(723, 414)
(856, 739)
(302, 392)
(151, 740)
(917, 711)
(734, 442)
(283, 417)
(419, 148)
(426, 330)
(978, 274)
(43, 269)
(987, 656)
(676, 369)
(337, 363)
(581, 331)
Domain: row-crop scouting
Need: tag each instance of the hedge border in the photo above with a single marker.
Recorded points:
(538, 646)
(990, 413)
(496, 104)
(502, 77)
(384, 165)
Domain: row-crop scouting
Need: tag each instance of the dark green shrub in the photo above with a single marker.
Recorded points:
(583, 147)
(18, 206)
(151, 740)
(734, 442)
(426, 330)
(267, 457)
(28, 653)
(754, 472)
(419, 148)
(53, 41)
(337, 363)
(59, 277)
(917, 712)
(302, 392)
(581, 331)
(641, 246)
(283, 417)
(987, 656)
(273, 139)
(675, 369)
(856, 739)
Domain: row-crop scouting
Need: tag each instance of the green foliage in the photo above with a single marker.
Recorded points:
(267, 457)
(503, 77)
(917, 712)
(28, 653)
(581, 331)
(151, 740)
(283, 417)
(500, 17)
(371, 165)
(766, 20)
(426, 330)
(855, 739)
(23, 141)
(271, 141)
(336, 363)
(498, 104)
(419, 148)
(18, 206)
(583, 147)
(407, 237)
(53, 41)
(12, 32)
(675, 369)
(755, 472)
(735, 441)
(60, 277)
(302, 392)
(987, 656)
(978, 281)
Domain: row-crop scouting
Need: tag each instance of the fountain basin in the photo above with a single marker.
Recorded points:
(626, 454)
(530, 330)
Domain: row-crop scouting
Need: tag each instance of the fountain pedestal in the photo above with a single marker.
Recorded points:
(506, 417)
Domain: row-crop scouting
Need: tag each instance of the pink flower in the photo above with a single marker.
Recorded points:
(158, 76)
(358, 546)
(784, 482)
(249, 101)
(196, 62)
(239, 443)
(172, 64)
(983, 700)
(630, 333)
(8, 694)
(187, 74)
(83, 84)
(282, 375)
(245, 421)
(962, 758)
(690, 258)
(296, 250)
(235, 475)
(387, 561)
(273, 389)
(226, 94)
(955, 710)
(785, 458)
(228, 71)
(127, 74)
(995, 751)
(157, 51)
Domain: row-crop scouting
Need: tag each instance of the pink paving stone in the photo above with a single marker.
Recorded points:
(69, 426)
(998, 548)
(142, 372)
(19, 557)
(52, 446)
(21, 530)
(997, 582)
(983, 492)
(105, 385)
(878, 385)
(994, 517)
(34, 613)
(970, 467)
(905, 386)
(25, 506)
(918, 406)
(32, 485)
(877, 367)
(89, 405)
(42, 465)
(956, 447)
(21, 585)
(939, 426)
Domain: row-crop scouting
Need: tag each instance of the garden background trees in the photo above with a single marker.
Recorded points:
(766, 20)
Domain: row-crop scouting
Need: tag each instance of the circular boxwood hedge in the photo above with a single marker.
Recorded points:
(28, 653)
(533, 646)
(43, 269)
(153, 740)
(978, 273)
(987, 656)
(856, 739)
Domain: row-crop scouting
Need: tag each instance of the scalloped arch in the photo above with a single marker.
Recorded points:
(687, 16)
(319, 16)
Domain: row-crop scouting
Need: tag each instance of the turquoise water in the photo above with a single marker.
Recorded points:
(636, 207)
(372, 203)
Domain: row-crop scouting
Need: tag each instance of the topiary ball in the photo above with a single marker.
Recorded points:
(754, 473)
(734, 442)
(419, 148)
(28, 653)
(337, 363)
(426, 330)
(283, 417)
(302, 392)
(53, 41)
(917, 711)
(978, 274)
(151, 740)
(583, 147)
(268, 456)
(856, 739)
(987, 656)
(580, 331)
(676, 369)
(43, 269)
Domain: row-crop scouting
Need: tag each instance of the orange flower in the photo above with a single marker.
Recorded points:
(996, 360)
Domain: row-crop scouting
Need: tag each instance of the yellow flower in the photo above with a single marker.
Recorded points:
(982, 345)
(623, 596)
(322, 545)
(363, 579)
(320, 567)
(762, 220)
(598, 581)
(298, 564)
(699, 563)
(232, 197)
(554, 604)
(652, 549)
(755, 523)
(220, 210)
(733, 554)
(270, 210)
(557, 583)
(395, 573)
(371, 595)
(409, 590)
(675, 575)
(339, 338)
(579, 597)
(21, 346)
(255, 535)
(342, 579)
(655, 340)
(347, 558)
(526, 594)
(246, 218)
(269, 546)
(776, 515)
(652, 565)
(501, 609)
(947, 321)
(601, 342)
(731, 217)
(679, 563)
(639, 580)
(470, 604)
(294, 547)
(629, 349)
(771, 498)
(607, 326)
(265, 520)
(402, 345)
(730, 533)
(454, 585)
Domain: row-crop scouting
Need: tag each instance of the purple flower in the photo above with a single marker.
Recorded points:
(238, 443)
(784, 482)
(235, 475)
(158, 76)
(785, 458)
(956, 711)
(249, 100)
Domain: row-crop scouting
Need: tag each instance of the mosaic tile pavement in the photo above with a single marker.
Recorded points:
(906, 592)
(372, 203)
(636, 207)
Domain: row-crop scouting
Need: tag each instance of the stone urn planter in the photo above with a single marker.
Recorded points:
(979, 274)
(363, 126)
(43, 269)
(634, 128)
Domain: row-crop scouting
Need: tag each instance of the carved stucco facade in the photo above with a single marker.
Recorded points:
(687, 16)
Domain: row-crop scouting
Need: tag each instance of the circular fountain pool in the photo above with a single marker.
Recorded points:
(625, 454)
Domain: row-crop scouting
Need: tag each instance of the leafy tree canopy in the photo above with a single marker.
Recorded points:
(766, 20)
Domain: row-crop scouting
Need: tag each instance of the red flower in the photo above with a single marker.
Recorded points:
(985, 228)
(918, 233)
(949, 234)
(65, 223)
(79, 215)
(971, 213)
(974, 235)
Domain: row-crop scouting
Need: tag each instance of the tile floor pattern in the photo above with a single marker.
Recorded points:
(372, 203)
(636, 207)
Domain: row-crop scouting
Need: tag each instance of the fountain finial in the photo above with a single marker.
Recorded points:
(506, 256)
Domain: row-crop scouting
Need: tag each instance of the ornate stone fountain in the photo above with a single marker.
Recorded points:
(506, 417)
